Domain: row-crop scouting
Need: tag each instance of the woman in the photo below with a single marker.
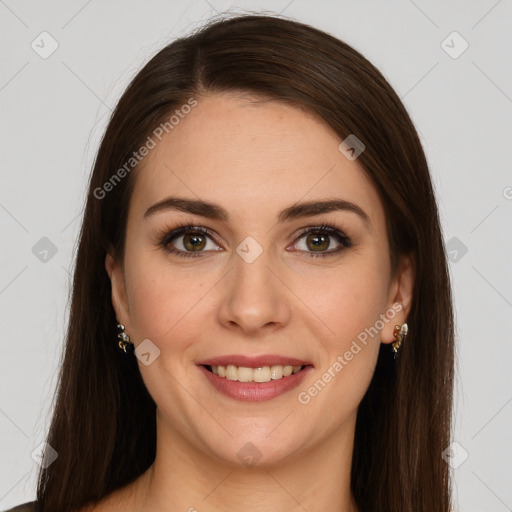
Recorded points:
(261, 315)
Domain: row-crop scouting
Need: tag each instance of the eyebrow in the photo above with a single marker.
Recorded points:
(216, 212)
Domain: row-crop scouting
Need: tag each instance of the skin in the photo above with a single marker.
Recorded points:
(254, 159)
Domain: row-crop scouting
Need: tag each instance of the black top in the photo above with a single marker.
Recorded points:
(26, 507)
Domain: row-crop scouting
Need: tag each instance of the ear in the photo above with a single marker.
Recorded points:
(119, 300)
(400, 297)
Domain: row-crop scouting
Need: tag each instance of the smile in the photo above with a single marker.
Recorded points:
(245, 374)
(256, 384)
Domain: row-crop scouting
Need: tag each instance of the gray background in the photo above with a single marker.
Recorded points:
(55, 109)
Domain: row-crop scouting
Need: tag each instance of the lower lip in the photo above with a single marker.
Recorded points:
(255, 391)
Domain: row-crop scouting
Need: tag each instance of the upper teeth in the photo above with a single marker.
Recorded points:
(263, 374)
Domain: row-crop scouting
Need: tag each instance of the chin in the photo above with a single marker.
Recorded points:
(258, 451)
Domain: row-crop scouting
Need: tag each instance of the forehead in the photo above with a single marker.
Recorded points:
(251, 156)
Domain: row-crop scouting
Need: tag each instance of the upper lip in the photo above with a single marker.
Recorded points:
(253, 362)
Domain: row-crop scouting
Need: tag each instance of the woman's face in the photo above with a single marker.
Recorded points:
(261, 284)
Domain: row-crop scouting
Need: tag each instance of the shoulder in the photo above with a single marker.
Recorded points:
(26, 507)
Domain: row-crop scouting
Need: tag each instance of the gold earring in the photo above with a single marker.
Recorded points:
(400, 334)
(123, 338)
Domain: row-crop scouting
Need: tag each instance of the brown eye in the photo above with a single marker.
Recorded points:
(189, 241)
(194, 242)
(318, 242)
(323, 240)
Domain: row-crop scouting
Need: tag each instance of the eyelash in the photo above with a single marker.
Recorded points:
(185, 229)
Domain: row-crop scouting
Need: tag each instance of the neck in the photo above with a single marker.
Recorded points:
(185, 478)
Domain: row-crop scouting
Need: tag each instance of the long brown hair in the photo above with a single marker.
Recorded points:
(103, 425)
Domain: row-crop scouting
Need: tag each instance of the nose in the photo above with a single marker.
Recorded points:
(255, 301)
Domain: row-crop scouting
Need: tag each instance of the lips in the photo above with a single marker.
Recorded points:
(255, 391)
(254, 379)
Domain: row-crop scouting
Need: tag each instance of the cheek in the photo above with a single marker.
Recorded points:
(161, 301)
(350, 306)
(348, 300)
